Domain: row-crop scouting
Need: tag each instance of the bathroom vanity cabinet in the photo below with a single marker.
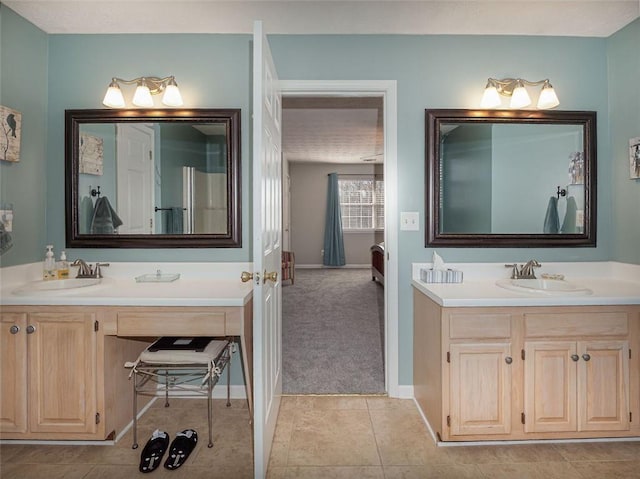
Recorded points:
(63, 374)
(527, 372)
(56, 367)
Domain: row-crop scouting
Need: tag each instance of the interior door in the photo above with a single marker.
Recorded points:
(135, 179)
(267, 247)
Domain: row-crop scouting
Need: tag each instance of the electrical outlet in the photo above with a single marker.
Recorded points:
(409, 221)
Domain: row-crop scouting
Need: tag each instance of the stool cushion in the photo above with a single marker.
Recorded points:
(178, 356)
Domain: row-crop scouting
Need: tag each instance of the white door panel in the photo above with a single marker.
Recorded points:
(267, 235)
(135, 192)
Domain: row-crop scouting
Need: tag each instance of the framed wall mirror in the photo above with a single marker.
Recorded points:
(153, 178)
(503, 178)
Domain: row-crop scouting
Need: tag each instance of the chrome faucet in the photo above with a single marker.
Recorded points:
(524, 271)
(87, 271)
(84, 270)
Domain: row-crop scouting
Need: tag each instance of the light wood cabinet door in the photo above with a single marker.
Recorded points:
(62, 372)
(576, 386)
(603, 375)
(13, 373)
(550, 386)
(480, 388)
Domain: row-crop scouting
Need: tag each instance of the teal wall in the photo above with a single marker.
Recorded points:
(451, 72)
(23, 87)
(623, 53)
(214, 71)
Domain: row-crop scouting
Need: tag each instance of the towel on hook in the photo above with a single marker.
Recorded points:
(174, 220)
(551, 219)
(569, 223)
(105, 220)
(85, 215)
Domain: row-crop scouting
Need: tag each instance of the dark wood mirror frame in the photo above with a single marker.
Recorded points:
(433, 121)
(231, 239)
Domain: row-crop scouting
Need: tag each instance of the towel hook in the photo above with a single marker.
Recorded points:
(561, 192)
(95, 192)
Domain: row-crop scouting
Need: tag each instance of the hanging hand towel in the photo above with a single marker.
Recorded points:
(105, 219)
(551, 219)
(174, 222)
(569, 223)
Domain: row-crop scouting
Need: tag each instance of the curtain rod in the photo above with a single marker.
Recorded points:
(357, 174)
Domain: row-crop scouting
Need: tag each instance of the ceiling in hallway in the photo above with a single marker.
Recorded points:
(332, 130)
(599, 18)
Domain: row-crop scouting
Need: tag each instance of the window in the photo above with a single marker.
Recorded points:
(362, 202)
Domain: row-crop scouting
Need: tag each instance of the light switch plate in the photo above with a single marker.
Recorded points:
(409, 221)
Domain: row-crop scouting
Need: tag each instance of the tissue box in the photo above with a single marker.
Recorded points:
(441, 276)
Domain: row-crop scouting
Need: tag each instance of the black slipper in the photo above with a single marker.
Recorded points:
(180, 449)
(153, 451)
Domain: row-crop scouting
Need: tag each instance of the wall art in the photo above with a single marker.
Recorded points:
(10, 130)
(634, 158)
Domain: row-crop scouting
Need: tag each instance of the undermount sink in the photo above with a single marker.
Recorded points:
(54, 285)
(545, 286)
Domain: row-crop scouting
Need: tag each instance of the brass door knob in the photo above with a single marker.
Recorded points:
(246, 276)
(273, 276)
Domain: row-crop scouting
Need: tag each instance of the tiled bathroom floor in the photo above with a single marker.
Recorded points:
(230, 457)
(328, 437)
(378, 437)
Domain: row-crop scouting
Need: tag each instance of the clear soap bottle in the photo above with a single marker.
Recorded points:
(49, 267)
(63, 266)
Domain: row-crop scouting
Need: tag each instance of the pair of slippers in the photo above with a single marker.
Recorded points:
(157, 445)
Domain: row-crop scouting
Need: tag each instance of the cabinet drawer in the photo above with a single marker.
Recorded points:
(172, 323)
(479, 326)
(576, 324)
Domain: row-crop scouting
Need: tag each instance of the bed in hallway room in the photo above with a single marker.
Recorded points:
(377, 262)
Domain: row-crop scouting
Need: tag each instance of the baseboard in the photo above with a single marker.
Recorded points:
(193, 390)
(403, 392)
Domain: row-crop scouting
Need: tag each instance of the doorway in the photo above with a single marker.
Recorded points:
(366, 91)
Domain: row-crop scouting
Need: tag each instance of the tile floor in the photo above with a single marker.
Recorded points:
(377, 437)
(231, 456)
(328, 437)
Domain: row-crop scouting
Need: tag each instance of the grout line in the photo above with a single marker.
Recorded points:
(375, 438)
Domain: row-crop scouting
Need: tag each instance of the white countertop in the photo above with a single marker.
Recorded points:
(610, 284)
(200, 284)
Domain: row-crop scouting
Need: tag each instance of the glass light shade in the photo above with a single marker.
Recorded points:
(113, 98)
(548, 98)
(490, 97)
(520, 97)
(142, 96)
(172, 95)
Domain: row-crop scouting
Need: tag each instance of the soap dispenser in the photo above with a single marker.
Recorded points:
(49, 270)
(63, 266)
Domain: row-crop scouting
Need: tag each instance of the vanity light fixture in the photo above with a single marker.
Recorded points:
(515, 88)
(146, 86)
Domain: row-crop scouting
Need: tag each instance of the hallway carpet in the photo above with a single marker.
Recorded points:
(332, 333)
